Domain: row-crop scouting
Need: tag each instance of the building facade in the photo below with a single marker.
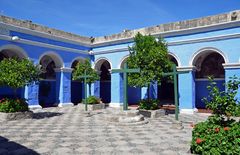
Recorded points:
(204, 46)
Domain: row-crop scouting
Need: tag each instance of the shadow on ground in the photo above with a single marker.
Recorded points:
(9, 147)
(42, 115)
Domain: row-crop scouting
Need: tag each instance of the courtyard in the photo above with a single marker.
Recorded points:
(70, 130)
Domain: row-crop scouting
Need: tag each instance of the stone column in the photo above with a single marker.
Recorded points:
(232, 69)
(63, 86)
(186, 89)
(116, 100)
(31, 95)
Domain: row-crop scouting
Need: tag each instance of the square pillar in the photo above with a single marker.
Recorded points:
(63, 86)
(31, 95)
(144, 93)
(116, 100)
(186, 90)
(232, 69)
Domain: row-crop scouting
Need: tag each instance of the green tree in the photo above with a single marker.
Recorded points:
(79, 71)
(151, 56)
(17, 73)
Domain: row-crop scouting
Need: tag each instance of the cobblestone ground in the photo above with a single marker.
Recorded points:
(69, 130)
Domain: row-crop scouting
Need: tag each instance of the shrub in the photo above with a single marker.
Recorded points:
(223, 103)
(13, 105)
(210, 138)
(149, 104)
(219, 134)
(93, 100)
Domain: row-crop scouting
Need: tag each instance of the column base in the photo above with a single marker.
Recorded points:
(32, 107)
(188, 111)
(65, 105)
(115, 105)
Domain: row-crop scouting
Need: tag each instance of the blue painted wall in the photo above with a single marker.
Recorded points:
(76, 92)
(47, 93)
(202, 91)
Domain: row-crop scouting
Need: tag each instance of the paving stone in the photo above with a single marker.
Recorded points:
(71, 132)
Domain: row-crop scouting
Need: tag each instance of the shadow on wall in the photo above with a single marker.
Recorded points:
(10, 147)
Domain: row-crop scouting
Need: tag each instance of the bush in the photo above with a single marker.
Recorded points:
(219, 134)
(223, 103)
(93, 100)
(149, 104)
(210, 138)
(13, 105)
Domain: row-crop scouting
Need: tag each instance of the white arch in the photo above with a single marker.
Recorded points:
(176, 58)
(99, 62)
(81, 59)
(16, 49)
(56, 58)
(120, 65)
(206, 50)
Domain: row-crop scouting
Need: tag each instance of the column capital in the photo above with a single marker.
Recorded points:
(231, 65)
(186, 68)
(63, 69)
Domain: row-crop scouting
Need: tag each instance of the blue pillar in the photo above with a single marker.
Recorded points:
(63, 86)
(115, 91)
(31, 95)
(144, 92)
(186, 90)
(96, 89)
(232, 69)
(153, 90)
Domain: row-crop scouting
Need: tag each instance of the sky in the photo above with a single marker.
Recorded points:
(106, 17)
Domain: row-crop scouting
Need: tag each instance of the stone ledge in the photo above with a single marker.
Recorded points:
(92, 107)
(15, 116)
(152, 113)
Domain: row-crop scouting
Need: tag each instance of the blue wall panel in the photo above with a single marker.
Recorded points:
(76, 91)
(202, 91)
(47, 93)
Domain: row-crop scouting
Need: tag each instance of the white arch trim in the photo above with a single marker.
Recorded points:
(22, 54)
(99, 62)
(176, 58)
(196, 55)
(56, 58)
(81, 59)
(122, 60)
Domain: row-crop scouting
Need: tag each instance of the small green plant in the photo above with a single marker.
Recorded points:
(93, 100)
(13, 105)
(223, 103)
(220, 134)
(149, 104)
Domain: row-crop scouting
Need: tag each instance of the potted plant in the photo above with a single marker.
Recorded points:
(16, 73)
(95, 103)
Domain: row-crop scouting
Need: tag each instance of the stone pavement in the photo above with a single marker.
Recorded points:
(69, 130)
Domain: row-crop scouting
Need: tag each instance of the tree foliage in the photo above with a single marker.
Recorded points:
(17, 73)
(80, 69)
(151, 56)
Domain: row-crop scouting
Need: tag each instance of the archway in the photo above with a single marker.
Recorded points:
(166, 87)
(76, 86)
(6, 53)
(134, 93)
(103, 66)
(207, 63)
(47, 85)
